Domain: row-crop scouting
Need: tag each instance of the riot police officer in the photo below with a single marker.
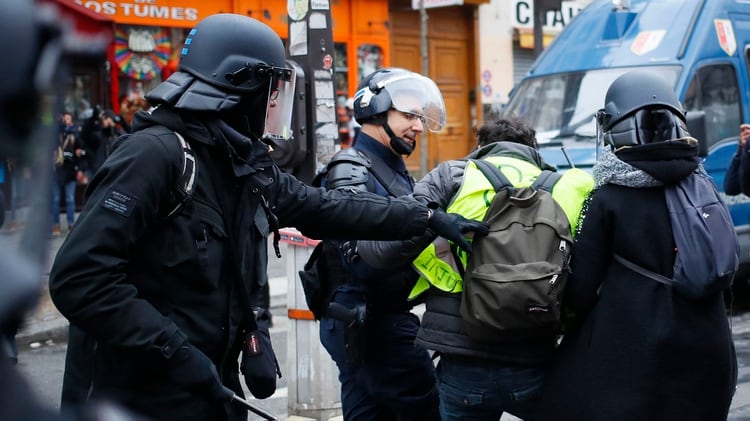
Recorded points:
(383, 375)
(163, 261)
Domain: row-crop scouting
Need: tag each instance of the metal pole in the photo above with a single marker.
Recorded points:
(424, 152)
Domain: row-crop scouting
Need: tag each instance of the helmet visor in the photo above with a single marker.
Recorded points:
(281, 101)
(416, 94)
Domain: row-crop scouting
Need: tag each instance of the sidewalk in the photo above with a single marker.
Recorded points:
(45, 323)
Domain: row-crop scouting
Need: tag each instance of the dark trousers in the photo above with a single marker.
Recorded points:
(397, 380)
(470, 390)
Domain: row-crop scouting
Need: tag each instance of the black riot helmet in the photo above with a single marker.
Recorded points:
(640, 108)
(233, 63)
(402, 90)
(234, 53)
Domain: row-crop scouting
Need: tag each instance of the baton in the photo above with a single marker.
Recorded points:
(255, 409)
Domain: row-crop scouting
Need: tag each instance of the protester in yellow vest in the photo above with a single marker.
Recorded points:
(477, 379)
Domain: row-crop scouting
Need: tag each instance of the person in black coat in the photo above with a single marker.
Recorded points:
(99, 134)
(642, 351)
(737, 178)
(160, 273)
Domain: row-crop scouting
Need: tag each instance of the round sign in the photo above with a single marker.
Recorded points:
(486, 75)
(487, 90)
(327, 61)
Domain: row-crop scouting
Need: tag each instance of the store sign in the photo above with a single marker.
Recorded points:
(157, 12)
(416, 4)
(523, 14)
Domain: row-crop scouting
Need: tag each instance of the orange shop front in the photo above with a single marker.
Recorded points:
(149, 34)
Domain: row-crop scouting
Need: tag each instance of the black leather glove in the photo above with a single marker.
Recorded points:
(453, 226)
(193, 369)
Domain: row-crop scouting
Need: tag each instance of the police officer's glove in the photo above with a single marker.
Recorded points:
(193, 369)
(453, 226)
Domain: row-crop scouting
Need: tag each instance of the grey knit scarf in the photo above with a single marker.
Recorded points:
(610, 169)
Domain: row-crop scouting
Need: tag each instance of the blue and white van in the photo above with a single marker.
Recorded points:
(701, 46)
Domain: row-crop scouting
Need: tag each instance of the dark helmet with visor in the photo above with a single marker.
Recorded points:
(639, 108)
(226, 57)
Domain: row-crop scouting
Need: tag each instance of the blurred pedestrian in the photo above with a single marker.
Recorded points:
(737, 177)
(32, 44)
(99, 133)
(69, 172)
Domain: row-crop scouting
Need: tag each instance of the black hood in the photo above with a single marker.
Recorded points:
(182, 122)
(669, 161)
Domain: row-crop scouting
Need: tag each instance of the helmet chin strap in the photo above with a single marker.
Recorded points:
(399, 145)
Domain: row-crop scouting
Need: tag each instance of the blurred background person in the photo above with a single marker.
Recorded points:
(737, 178)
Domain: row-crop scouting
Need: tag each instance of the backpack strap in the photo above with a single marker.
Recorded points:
(643, 271)
(186, 181)
(546, 180)
(386, 177)
(493, 174)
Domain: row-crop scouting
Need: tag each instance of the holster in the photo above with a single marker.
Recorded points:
(355, 335)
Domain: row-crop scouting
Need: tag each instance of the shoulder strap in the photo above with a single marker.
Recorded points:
(186, 181)
(493, 174)
(546, 180)
(643, 271)
(386, 177)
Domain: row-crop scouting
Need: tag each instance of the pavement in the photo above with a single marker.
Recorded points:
(45, 323)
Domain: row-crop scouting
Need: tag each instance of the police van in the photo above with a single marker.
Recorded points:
(700, 46)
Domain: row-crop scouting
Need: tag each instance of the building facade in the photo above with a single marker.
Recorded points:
(475, 50)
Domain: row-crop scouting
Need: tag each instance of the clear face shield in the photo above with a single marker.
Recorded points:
(278, 126)
(418, 95)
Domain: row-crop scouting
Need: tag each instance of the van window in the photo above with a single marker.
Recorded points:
(563, 105)
(714, 90)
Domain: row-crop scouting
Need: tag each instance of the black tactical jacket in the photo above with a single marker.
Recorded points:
(140, 284)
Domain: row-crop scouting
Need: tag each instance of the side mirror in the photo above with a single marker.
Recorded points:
(696, 125)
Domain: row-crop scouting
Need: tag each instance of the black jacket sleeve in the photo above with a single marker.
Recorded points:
(341, 215)
(89, 280)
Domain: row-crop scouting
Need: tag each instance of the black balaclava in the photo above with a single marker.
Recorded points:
(249, 116)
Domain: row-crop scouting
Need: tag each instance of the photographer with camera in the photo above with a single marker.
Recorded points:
(98, 134)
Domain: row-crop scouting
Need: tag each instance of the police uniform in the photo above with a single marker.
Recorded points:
(390, 377)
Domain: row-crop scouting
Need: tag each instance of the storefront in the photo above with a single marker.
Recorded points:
(88, 75)
(368, 35)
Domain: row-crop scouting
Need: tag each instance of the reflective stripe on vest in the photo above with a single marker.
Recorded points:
(435, 268)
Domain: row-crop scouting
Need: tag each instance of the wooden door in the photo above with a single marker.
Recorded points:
(451, 62)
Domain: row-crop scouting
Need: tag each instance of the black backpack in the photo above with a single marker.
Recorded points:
(515, 276)
(707, 249)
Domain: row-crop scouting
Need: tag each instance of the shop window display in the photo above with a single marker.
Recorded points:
(145, 56)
